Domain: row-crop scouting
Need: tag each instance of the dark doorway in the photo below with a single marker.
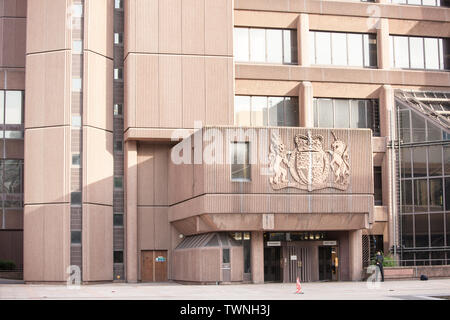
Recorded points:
(272, 264)
(328, 264)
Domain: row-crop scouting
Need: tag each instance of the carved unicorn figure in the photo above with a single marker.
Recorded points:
(339, 162)
(277, 156)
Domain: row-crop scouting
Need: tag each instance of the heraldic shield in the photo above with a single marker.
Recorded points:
(309, 165)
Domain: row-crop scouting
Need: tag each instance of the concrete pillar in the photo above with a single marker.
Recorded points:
(387, 104)
(306, 113)
(131, 226)
(383, 47)
(355, 254)
(257, 256)
(303, 39)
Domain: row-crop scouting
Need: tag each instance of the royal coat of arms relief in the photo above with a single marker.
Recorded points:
(308, 166)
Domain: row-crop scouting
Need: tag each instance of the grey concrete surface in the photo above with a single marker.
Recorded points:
(390, 290)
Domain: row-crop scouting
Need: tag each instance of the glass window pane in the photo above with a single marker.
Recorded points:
(259, 111)
(118, 256)
(75, 198)
(75, 237)
(401, 52)
(370, 50)
(325, 113)
(416, 47)
(118, 220)
(12, 177)
(316, 116)
(2, 105)
(225, 255)
(291, 117)
(370, 115)
(358, 115)
(240, 167)
(435, 160)
(407, 231)
(420, 195)
(339, 48)
(434, 133)
(420, 161)
(406, 162)
(13, 134)
(274, 46)
(377, 182)
(447, 228)
(276, 112)
(436, 195)
(312, 47)
(257, 45)
(290, 46)
(421, 228)
(355, 50)
(417, 127)
(242, 111)
(447, 160)
(431, 53)
(241, 52)
(407, 196)
(342, 113)
(13, 107)
(405, 126)
(323, 44)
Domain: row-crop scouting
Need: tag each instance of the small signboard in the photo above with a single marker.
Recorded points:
(274, 243)
(160, 259)
(293, 257)
(330, 243)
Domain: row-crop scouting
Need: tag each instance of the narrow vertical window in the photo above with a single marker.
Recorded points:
(240, 164)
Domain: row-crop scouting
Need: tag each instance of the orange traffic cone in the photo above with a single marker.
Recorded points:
(299, 287)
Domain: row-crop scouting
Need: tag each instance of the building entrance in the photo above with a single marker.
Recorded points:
(272, 264)
(328, 263)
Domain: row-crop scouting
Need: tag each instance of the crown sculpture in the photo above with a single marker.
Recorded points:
(308, 164)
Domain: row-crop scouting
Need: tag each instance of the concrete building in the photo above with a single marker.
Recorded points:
(223, 141)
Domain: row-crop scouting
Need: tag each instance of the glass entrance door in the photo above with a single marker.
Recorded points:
(328, 263)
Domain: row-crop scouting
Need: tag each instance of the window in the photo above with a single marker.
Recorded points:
(118, 38)
(77, 46)
(118, 74)
(226, 255)
(75, 237)
(346, 113)
(76, 161)
(11, 175)
(118, 4)
(76, 85)
(77, 10)
(118, 146)
(266, 111)
(13, 105)
(378, 192)
(343, 49)
(240, 161)
(118, 256)
(118, 182)
(118, 109)
(76, 121)
(265, 45)
(420, 53)
(118, 220)
(75, 198)
(435, 3)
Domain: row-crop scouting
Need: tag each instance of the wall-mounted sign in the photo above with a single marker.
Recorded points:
(273, 243)
(330, 243)
(293, 257)
(160, 259)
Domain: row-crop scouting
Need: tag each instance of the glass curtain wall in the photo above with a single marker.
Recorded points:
(424, 190)
(11, 161)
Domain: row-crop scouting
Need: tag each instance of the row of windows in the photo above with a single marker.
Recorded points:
(425, 230)
(346, 113)
(266, 111)
(343, 49)
(415, 128)
(435, 3)
(328, 113)
(340, 49)
(265, 45)
(419, 53)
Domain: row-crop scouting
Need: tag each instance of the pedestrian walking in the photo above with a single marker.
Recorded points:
(379, 262)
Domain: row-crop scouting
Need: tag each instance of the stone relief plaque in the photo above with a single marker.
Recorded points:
(308, 166)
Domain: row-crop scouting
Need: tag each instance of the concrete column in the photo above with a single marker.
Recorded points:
(302, 39)
(305, 96)
(383, 48)
(131, 211)
(386, 105)
(257, 257)
(355, 254)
